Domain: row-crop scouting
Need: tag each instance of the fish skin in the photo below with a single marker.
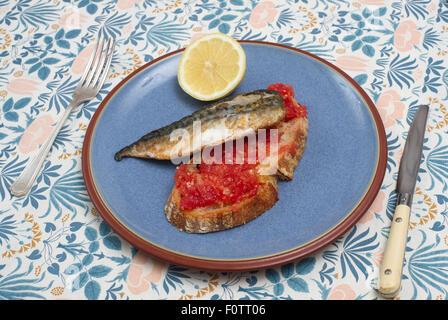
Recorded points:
(227, 119)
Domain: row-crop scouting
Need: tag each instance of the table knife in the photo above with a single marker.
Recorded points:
(392, 264)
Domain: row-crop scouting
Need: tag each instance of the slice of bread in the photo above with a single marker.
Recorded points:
(293, 135)
(292, 140)
(221, 217)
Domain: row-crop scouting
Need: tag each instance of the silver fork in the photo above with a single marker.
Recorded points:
(88, 87)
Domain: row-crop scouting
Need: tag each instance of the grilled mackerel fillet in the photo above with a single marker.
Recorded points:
(227, 119)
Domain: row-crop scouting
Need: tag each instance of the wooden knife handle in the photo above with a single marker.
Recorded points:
(392, 265)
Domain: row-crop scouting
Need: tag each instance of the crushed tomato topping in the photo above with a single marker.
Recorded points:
(212, 183)
(293, 108)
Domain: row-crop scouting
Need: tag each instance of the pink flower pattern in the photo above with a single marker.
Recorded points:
(263, 14)
(352, 63)
(82, 59)
(406, 36)
(342, 292)
(143, 272)
(24, 86)
(127, 4)
(390, 107)
(36, 134)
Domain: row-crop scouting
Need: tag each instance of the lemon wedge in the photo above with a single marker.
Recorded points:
(211, 67)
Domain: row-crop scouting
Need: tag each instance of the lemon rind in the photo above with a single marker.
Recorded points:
(231, 86)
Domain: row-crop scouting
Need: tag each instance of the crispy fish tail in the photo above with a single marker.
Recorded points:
(125, 152)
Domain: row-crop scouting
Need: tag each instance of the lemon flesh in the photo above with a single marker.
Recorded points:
(211, 67)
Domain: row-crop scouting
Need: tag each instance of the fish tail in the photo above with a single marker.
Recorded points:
(122, 153)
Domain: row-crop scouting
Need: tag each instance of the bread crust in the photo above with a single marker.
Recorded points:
(294, 131)
(211, 219)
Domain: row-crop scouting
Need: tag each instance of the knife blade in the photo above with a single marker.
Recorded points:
(392, 264)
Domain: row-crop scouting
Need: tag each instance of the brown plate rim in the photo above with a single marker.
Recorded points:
(249, 264)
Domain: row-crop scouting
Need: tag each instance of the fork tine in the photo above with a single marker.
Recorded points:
(105, 71)
(102, 63)
(97, 60)
(89, 64)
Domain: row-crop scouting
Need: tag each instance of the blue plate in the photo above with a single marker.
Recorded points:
(334, 184)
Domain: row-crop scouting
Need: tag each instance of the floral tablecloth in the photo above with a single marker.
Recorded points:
(53, 243)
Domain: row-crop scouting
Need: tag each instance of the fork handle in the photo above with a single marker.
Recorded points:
(25, 180)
